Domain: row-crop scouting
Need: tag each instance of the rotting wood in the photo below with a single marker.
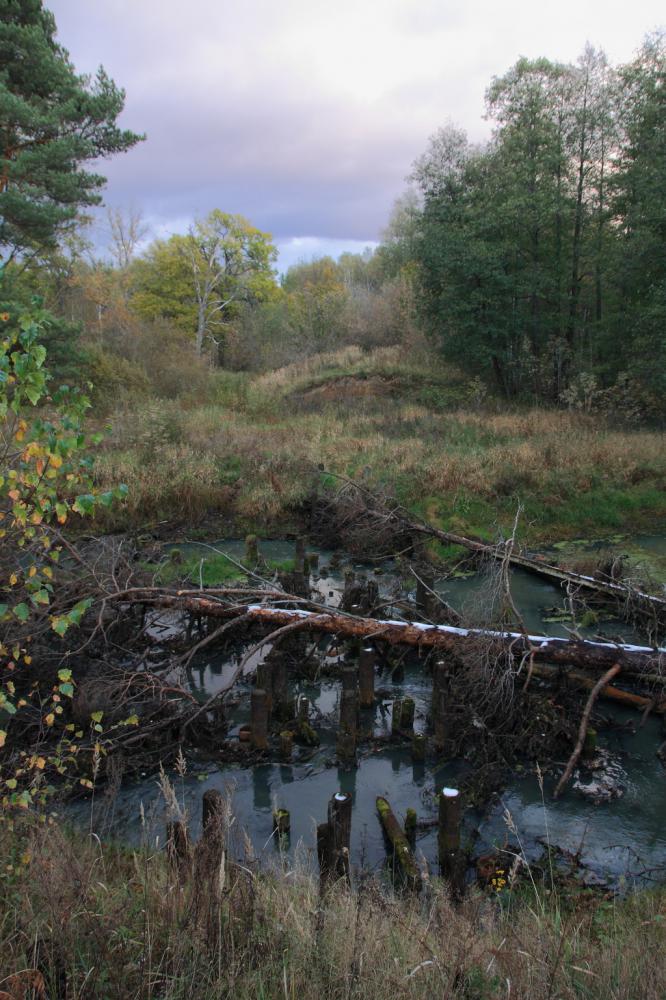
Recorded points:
(451, 858)
(582, 732)
(402, 852)
(259, 719)
(583, 653)
(366, 677)
(178, 847)
(339, 822)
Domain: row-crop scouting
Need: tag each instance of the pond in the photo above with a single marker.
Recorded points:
(620, 842)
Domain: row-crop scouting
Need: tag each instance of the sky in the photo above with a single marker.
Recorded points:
(305, 116)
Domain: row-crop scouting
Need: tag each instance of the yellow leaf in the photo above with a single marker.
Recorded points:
(50, 719)
(32, 571)
(3, 737)
(40, 763)
(13, 580)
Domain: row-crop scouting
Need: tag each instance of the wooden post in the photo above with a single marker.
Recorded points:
(299, 555)
(410, 827)
(251, 551)
(448, 839)
(259, 718)
(419, 743)
(324, 855)
(212, 811)
(302, 708)
(396, 719)
(339, 821)
(281, 822)
(264, 681)
(178, 847)
(313, 561)
(281, 704)
(407, 715)
(286, 744)
(366, 677)
(398, 840)
(349, 715)
(423, 595)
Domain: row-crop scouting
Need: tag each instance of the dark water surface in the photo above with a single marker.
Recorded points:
(622, 841)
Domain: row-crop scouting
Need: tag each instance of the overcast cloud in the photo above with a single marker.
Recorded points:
(305, 115)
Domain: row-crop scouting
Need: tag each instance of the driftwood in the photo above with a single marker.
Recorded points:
(582, 732)
(587, 654)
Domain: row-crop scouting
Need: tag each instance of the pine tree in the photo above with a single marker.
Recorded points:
(52, 122)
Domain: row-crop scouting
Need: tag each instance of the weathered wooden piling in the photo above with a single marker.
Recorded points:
(349, 715)
(281, 822)
(401, 850)
(178, 847)
(259, 718)
(366, 677)
(419, 744)
(407, 715)
(313, 561)
(451, 861)
(302, 708)
(424, 585)
(324, 855)
(264, 681)
(339, 822)
(282, 706)
(251, 551)
(299, 555)
(212, 808)
(410, 827)
(440, 681)
(286, 744)
(396, 719)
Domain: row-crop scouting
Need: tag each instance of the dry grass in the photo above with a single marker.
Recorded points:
(102, 922)
(255, 455)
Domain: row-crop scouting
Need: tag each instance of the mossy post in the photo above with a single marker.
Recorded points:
(366, 677)
(590, 743)
(251, 551)
(448, 839)
(302, 708)
(410, 827)
(286, 744)
(259, 718)
(407, 715)
(339, 821)
(402, 852)
(281, 822)
(419, 744)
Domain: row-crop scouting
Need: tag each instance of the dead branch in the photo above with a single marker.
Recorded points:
(582, 732)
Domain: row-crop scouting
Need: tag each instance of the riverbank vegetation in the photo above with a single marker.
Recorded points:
(113, 922)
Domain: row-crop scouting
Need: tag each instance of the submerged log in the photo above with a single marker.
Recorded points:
(401, 850)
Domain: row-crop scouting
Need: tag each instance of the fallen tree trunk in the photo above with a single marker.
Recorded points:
(587, 654)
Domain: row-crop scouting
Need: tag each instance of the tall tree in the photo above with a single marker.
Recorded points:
(52, 122)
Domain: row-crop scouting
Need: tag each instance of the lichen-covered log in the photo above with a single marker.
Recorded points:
(402, 852)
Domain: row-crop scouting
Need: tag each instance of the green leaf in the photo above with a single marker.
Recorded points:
(96, 716)
(64, 674)
(22, 612)
(66, 689)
